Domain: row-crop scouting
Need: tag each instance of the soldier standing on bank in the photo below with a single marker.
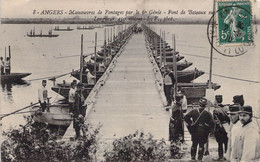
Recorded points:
(221, 118)
(234, 127)
(176, 129)
(246, 141)
(199, 123)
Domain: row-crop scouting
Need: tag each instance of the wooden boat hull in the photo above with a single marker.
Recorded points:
(14, 77)
(188, 75)
(215, 86)
(63, 90)
(180, 65)
(50, 36)
(63, 29)
(170, 59)
(75, 74)
(58, 115)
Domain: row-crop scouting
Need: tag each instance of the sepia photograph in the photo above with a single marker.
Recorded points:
(130, 80)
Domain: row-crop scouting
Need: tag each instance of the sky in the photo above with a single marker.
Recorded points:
(25, 8)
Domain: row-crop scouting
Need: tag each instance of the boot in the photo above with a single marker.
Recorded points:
(193, 153)
(201, 151)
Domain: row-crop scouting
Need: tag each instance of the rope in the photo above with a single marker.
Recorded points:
(56, 95)
(51, 77)
(245, 80)
(190, 46)
(197, 55)
(18, 113)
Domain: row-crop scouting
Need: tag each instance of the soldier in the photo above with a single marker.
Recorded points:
(78, 125)
(168, 86)
(72, 93)
(79, 109)
(247, 138)
(7, 66)
(200, 126)
(43, 96)
(238, 99)
(176, 131)
(2, 63)
(221, 118)
(234, 126)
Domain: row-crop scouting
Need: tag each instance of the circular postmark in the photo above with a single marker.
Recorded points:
(233, 28)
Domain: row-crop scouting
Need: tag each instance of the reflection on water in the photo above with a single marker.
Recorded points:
(8, 86)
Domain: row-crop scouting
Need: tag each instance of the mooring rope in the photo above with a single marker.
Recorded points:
(50, 77)
(196, 55)
(245, 80)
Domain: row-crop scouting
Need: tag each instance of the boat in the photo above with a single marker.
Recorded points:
(57, 28)
(109, 25)
(192, 91)
(85, 28)
(170, 58)
(188, 75)
(215, 86)
(180, 65)
(76, 74)
(63, 89)
(98, 26)
(13, 77)
(50, 34)
(58, 115)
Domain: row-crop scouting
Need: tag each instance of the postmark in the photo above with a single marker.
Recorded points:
(233, 29)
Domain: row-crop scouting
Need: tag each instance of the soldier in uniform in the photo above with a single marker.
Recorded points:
(246, 141)
(238, 99)
(176, 130)
(234, 126)
(199, 123)
(168, 86)
(43, 96)
(221, 118)
(79, 109)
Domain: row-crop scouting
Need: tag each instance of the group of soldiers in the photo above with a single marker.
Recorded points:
(76, 104)
(232, 125)
(77, 107)
(5, 66)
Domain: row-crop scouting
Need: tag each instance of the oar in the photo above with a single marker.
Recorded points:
(18, 110)
(5, 115)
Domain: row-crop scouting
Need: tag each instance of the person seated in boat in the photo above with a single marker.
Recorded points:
(43, 96)
(79, 101)
(90, 78)
(102, 66)
(72, 93)
(7, 66)
(2, 65)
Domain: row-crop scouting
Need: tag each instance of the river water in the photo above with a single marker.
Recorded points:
(45, 57)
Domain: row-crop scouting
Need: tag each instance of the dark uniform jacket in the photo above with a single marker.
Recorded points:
(201, 129)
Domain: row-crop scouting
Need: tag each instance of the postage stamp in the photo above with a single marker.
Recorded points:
(234, 23)
(233, 33)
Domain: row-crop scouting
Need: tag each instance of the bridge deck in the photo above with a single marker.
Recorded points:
(129, 100)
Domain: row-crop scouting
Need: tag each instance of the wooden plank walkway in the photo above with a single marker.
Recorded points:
(129, 99)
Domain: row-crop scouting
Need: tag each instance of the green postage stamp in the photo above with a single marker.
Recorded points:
(234, 23)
